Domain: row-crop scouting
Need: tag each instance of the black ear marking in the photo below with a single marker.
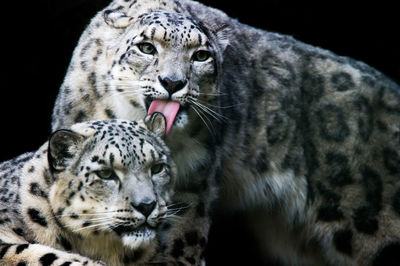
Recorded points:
(156, 123)
(62, 145)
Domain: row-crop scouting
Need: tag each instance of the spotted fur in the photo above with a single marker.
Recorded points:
(304, 141)
(94, 193)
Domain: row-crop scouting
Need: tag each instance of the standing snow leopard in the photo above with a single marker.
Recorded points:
(96, 191)
(305, 139)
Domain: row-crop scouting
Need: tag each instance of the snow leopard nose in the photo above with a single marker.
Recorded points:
(172, 85)
(145, 207)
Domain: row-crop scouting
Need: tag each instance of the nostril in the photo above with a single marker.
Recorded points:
(146, 208)
(172, 86)
(164, 82)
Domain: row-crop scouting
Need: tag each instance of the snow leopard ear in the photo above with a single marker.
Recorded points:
(63, 145)
(156, 123)
(221, 33)
(214, 23)
(117, 18)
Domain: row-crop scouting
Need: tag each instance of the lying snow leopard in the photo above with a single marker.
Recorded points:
(98, 190)
(306, 139)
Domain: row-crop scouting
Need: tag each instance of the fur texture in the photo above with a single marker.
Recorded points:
(97, 191)
(271, 125)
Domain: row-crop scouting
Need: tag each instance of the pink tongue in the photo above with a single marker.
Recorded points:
(168, 108)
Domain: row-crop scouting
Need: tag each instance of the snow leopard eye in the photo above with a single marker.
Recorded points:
(201, 55)
(147, 48)
(157, 168)
(107, 174)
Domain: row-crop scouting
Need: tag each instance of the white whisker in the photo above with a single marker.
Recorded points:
(211, 130)
(85, 214)
(209, 111)
(98, 219)
(212, 112)
(179, 203)
(171, 217)
(95, 225)
(212, 94)
(179, 208)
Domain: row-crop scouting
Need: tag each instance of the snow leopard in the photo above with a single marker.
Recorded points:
(304, 141)
(95, 193)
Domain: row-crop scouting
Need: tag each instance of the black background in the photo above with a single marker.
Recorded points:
(38, 37)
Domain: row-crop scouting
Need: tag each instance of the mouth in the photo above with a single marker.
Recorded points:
(169, 109)
(123, 230)
(136, 237)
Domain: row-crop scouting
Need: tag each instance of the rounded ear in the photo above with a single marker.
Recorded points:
(63, 145)
(222, 33)
(117, 18)
(156, 123)
(214, 22)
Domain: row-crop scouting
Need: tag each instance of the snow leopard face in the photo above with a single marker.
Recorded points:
(165, 62)
(111, 177)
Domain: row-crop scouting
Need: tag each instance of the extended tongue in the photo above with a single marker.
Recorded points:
(168, 108)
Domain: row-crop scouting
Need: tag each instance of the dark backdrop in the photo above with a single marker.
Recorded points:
(38, 37)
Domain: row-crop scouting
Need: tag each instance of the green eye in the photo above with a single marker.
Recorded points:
(157, 168)
(201, 55)
(105, 174)
(147, 48)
